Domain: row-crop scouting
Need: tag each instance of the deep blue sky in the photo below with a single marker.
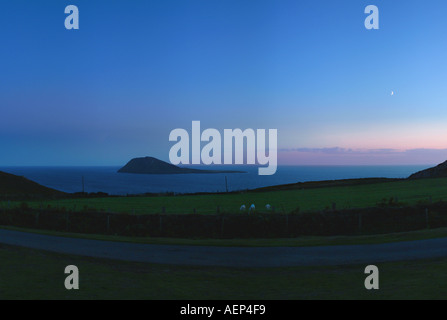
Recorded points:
(136, 70)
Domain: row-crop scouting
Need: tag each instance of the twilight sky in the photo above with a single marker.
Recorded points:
(114, 89)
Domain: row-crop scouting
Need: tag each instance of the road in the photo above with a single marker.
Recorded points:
(231, 256)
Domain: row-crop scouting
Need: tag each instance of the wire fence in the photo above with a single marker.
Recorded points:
(374, 220)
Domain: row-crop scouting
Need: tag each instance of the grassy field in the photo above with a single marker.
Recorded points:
(406, 191)
(31, 274)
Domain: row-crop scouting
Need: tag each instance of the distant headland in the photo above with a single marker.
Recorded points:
(440, 171)
(12, 186)
(151, 165)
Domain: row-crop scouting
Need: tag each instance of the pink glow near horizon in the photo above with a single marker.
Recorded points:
(339, 156)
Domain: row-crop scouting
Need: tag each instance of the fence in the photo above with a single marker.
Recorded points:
(375, 220)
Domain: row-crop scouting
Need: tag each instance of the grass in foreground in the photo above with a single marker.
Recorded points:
(31, 274)
(406, 191)
(284, 242)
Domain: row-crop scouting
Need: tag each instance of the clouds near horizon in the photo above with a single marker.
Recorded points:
(348, 156)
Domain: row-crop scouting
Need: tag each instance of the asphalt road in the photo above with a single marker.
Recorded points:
(231, 256)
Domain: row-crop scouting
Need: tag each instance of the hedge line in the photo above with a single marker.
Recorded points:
(375, 220)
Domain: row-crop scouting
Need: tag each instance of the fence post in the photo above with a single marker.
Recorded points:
(360, 222)
(67, 221)
(222, 227)
(161, 225)
(37, 218)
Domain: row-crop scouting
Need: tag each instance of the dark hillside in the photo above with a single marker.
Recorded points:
(15, 187)
(440, 171)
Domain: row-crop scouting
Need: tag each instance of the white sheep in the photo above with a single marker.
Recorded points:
(252, 208)
(242, 208)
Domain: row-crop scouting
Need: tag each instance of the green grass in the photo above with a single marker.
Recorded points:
(407, 191)
(285, 242)
(32, 274)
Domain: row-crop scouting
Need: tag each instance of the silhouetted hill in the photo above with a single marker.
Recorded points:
(440, 171)
(326, 184)
(12, 186)
(150, 165)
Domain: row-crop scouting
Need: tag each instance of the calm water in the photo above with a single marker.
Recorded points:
(106, 179)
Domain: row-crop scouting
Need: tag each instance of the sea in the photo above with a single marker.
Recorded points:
(108, 180)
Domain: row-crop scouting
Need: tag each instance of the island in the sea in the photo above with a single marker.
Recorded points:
(151, 165)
